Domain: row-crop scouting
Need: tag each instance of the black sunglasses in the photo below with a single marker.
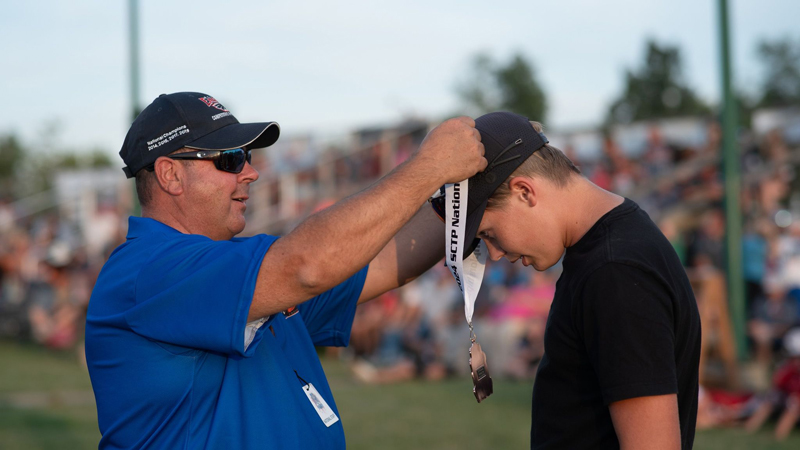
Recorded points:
(225, 160)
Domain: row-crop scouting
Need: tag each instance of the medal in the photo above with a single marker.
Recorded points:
(481, 380)
(469, 275)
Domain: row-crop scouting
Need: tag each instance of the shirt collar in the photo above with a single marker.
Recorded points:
(139, 226)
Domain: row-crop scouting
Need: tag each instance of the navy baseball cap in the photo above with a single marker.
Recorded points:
(193, 120)
(509, 139)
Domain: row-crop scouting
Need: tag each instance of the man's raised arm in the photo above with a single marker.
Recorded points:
(333, 244)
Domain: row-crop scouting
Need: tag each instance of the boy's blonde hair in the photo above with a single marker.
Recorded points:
(548, 162)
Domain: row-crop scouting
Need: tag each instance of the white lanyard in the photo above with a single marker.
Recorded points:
(468, 272)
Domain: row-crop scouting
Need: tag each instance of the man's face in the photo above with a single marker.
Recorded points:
(521, 232)
(216, 200)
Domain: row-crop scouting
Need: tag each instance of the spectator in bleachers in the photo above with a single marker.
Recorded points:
(785, 392)
(529, 350)
(774, 147)
(772, 189)
(708, 246)
(434, 294)
(773, 315)
(658, 156)
(13, 310)
(755, 257)
(53, 308)
(787, 256)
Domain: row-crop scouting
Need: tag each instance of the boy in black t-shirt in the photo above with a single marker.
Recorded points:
(622, 340)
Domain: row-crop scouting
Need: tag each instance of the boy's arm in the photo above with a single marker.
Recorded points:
(646, 423)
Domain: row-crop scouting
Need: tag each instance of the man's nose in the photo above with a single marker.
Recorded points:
(249, 173)
(495, 254)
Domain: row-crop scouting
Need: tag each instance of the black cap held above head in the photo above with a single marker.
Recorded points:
(188, 119)
(509, 139)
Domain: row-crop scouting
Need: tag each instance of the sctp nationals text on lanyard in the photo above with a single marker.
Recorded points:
(469, 275)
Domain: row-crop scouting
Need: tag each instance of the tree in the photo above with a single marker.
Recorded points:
(479, 92)
(11, 154)
(27, 170)
(11, 157)
(511, 87)
(98, 158)
(656, 90)
(519, 90)
(37, 174)
(781, 82)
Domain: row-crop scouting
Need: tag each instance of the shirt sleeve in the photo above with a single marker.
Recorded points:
(626, 319)
(196, 292)
(329, 316)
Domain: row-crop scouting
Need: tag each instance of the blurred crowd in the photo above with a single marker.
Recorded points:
(420, 330)
(48, 265)
(47, 269)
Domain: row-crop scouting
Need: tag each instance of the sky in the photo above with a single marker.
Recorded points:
(327, 68)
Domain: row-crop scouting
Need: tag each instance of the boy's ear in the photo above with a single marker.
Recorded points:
(524, 189)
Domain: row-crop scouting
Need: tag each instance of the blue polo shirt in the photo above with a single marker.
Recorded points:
(165, 345)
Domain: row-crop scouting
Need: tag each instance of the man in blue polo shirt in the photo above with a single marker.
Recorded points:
(198, 339)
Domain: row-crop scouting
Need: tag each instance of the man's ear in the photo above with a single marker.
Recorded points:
(524, 189)
(170, 174)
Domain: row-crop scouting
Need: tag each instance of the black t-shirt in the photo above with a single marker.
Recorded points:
(623, 324)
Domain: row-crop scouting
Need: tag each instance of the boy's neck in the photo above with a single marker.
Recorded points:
(585, 204)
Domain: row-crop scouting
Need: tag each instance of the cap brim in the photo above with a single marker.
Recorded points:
(238, 135)
(473, 224)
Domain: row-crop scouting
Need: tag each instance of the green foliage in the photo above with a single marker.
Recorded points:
(11, 154)
(98, 159)
(745, 106)
(479, 92)
(27, 169)
(519, 90)
(11, 157)
(511, 87)
(656, 89)
(781, 82)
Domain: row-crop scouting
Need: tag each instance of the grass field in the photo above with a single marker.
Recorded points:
(46, 403)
